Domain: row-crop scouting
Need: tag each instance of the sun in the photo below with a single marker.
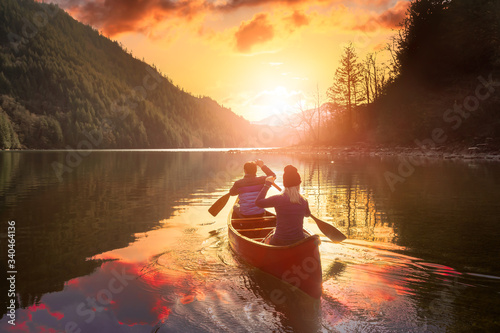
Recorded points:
(271, 102)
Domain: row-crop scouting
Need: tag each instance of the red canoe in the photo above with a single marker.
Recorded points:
(298, 264)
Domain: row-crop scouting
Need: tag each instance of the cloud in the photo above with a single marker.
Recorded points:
(118, 16)
(389, 19)
(392, 17)
(298, 19)
(272, 19)
(232, 5)
(257, 31)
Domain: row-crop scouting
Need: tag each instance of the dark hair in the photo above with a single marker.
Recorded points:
(250, 168)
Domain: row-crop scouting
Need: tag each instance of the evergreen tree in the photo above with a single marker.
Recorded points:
(346, 90)
(65, 79)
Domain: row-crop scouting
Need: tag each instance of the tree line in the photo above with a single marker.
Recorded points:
(436, 58)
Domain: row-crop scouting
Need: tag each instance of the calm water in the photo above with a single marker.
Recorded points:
(123, 242)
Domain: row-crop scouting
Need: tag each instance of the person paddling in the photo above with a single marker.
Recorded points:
(291, 208)
(248, 188)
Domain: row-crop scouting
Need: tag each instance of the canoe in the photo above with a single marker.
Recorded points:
(298, 265)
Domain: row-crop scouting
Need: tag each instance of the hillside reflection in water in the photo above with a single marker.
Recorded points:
(125, 243)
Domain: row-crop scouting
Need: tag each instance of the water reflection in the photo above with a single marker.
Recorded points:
(348, 199)
(378, 288)
(447, 212)
(101, 205)
(125, 244)
(442, 216)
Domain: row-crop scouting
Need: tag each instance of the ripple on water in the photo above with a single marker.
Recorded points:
(367, 287)
(369, 283)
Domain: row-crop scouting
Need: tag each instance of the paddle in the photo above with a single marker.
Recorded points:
(219, 204)
(222, 201)
(327, 229)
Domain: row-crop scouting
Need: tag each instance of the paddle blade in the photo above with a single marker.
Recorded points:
(219, 204)
(329, 230)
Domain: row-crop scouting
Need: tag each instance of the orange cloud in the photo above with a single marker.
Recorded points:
(298, 19)
(118, 16)
(230, 5)
(236, 4)
(273, 18)
(389, 19)
(257, 31)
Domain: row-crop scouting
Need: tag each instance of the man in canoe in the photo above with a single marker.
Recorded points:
(291, 208)
(248, 188)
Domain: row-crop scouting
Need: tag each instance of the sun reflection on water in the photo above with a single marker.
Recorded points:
(173, 269)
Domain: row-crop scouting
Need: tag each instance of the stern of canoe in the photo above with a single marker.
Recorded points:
(298, 264)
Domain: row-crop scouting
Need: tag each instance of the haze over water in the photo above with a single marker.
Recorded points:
(124, 243)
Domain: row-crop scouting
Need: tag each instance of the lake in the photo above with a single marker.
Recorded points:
(121, 241)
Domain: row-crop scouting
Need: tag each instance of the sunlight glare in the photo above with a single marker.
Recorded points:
(278, 101)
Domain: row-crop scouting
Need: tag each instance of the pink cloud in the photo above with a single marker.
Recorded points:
(113, 17)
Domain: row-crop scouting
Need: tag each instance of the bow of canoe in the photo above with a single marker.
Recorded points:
(298, 264)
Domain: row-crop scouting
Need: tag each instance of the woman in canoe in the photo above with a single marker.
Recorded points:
(291, 208)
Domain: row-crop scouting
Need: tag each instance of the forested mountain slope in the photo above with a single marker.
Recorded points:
(62, 82)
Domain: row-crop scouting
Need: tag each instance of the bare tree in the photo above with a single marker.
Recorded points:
(321, 112)
(375, 77)
(301, 121)
(369, 77)
(395, 65)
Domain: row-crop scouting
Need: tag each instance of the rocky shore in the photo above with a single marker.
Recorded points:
(482, 151)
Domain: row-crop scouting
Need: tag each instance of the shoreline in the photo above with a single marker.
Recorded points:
(477, 152)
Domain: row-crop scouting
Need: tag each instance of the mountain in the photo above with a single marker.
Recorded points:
(301, 127)
(64, 85)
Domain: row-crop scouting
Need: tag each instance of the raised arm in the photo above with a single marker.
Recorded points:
(265, 168)
(262, 201)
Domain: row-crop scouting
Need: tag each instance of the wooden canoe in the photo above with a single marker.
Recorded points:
(298, 264)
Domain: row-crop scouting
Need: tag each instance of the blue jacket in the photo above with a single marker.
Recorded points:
(247, 189)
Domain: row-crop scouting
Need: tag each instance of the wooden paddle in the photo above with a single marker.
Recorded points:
(219, 204)
(327, 229)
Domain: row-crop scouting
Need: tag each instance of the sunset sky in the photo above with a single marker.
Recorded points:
(256, 57)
